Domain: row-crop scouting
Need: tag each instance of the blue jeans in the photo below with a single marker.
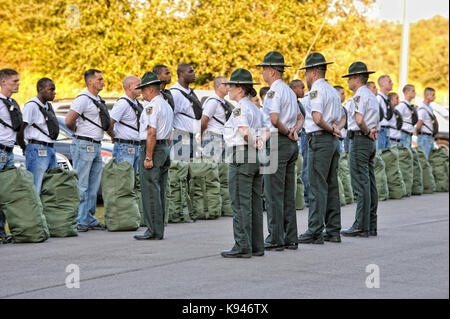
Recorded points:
(212, 146)
(6, 160)
(38, 163)
(405, 140)
(383, 140)
(304, 177)
(179, 150)
(87, 160)
(427, 142)
(127, 153)
(346, 144)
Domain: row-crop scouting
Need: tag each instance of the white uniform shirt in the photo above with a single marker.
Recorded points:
(406, 115)
(393, 132)
(32, 115)
(424, 114)
(7, 135)
(123, 112)
(245, 114)
(182, 104)
(323, 98)
(213, 108)
(380, 96)
(159, 115)
(365, 103)
(84, 105)
(282, 100)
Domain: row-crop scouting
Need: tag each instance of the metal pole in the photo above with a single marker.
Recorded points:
(405, 48)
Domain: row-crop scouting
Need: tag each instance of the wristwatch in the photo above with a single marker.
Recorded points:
(148, 159)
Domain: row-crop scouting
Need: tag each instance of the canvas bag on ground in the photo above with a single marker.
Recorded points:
(396, 185)
(438, 160)
(429, 186)
(380, 177)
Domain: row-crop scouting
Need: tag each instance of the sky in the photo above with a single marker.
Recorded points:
(392, 10)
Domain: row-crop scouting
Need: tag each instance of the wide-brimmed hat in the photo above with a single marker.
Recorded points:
(273, 58)
(241, 76)
(315, 59)
(149, 78)
(357, 68)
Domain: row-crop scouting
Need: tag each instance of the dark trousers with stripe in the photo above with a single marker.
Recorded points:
(245, 187)
(362, 168)
(280, 194)
(153, 189)
(324, 203)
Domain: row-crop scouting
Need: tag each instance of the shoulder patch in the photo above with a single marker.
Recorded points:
(237, 111)
(270, 94)
(356, 98)
(149, 109)
(312, 94)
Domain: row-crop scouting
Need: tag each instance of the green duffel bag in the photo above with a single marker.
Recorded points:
(224, 192)
(119, 197)
(438, 160)
(341, 192)
(346, 178)
(405, 161)
(380, 177)
(22, 206)
(417, 187)
(137, 190)
(60, 198)
(178, 199)
(299, 187)
(394, 177)
(429, 186)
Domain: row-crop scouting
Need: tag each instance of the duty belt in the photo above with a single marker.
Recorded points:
(317, 133)
(8, 149)
(84, 138)
(352, 134)
(132, 142)
(41, 143)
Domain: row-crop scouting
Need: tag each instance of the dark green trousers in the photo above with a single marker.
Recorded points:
(362, 168)
(153, 189)
(324, 203)
(280, 193)
(245, 187)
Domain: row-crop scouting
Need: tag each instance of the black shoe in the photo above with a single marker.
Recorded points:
(99, 226)
(145, 237)
(351, 232)
(373, 233)
(258, 253)
(310, 239)
(5, 239)
(268, 246)
(82, 228)
(292, 246)
(235, 254)
(332, 239)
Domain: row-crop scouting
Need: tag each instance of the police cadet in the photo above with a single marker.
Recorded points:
(240, 134)
(164, 75)
(385, 84)
(427, 125)
(10, 123)
(396, 122)
(154, 160)
(216, 112)
(363, 128)
(88, 119)
(125, 116)
(40, 129)
(407, 111)
(322, 125)
(284, 119)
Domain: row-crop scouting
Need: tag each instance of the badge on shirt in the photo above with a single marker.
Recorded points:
(312, 94)
(90, 149)
(131, 150)
(3, 159)
(149, 109)
(356, 99)
(237, 112)
(270, 94)
(42, 152)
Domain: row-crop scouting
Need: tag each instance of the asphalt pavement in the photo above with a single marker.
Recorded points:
(408, 259)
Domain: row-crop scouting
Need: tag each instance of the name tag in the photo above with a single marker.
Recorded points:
(42, 152)
(90, 149)
(2, 159)
(131, 150)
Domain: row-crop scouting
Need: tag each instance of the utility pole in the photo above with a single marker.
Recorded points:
(405, 50)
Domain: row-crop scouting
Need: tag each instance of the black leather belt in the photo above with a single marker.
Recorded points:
(410, 134)
(422, 133)
(132, 142)
(385, 126)
(157, 142)
(84, 138)
(395, 140)
(352, 134)
(41, 143)
(8, 149)
(317, 133)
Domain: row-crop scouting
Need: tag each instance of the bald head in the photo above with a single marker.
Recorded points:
(129, 85)
(219, 88)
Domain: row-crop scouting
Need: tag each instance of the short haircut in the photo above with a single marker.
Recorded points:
(158, 68)
(182, 67)
(407, 87)
(364, 78)
(428, 90)
(89, 74)
(295, 83)
(321, 70)
(217, 81)
(338, 87)
(391, 95)
(371, 83)
(7, 73)
(42, 83)
(263, 91)
(381, 78)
